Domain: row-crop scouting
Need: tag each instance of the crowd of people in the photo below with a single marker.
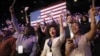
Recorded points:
(80, 36)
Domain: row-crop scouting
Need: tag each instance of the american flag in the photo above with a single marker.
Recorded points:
(46, 13)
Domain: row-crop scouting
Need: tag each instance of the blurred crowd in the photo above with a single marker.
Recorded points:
(72, 35)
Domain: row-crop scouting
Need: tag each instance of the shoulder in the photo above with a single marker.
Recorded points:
(11, 39)
(83, 39)
(17, 35)
(33, 38)
(47, 40)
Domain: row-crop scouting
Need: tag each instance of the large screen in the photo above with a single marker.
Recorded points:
(45, 13)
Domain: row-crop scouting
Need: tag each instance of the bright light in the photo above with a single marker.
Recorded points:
(75, 0)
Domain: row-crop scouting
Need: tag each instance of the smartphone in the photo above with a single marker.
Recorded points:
(71, 41)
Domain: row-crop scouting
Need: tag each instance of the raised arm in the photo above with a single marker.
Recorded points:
(26, 16)
(14, 20)
(44, 21)
(44, 27)
(91, 33)
(62, 33)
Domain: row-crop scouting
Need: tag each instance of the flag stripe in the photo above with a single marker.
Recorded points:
(54, 11)
(64, 3)
(54, 14)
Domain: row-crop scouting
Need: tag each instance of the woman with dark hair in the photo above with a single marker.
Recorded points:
(85, 25)
(26, 43)
(53, 44)
(52, 26)
(80, 44)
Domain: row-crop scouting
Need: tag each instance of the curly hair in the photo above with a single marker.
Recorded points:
(56, 28)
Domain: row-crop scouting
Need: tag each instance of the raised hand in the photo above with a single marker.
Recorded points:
(26, 8)
(92, 11)
(8, 22)
(11, 7)
(90, 35)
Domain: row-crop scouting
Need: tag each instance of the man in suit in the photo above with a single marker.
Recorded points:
(68, 26)
(68, 32)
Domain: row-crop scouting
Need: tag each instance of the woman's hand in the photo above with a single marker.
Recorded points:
(69, 45)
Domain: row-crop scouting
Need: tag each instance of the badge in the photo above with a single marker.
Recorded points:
(49, 54)
(20, 49)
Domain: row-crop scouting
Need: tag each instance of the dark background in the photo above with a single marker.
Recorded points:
(79, 6)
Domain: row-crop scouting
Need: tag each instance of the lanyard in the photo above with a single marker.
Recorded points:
(76, 41)
(50, 44)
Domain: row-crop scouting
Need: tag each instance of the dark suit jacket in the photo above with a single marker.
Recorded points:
(67, 32)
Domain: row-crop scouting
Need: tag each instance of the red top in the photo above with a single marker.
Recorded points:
(7, 47)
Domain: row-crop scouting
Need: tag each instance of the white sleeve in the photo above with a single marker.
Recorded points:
(62, 37)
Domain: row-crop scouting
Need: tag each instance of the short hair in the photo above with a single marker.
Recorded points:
(56, 28)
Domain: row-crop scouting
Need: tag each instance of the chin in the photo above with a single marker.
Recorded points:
(53, 35)
(75, 32)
